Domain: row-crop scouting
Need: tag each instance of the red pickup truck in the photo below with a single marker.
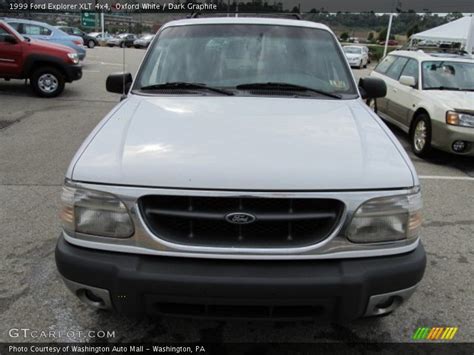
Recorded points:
(48, 66)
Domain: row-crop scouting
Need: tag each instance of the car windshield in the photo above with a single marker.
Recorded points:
(226, 56)
(448, 75)
(353, 50)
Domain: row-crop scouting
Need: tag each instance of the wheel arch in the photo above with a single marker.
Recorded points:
(34, 62)
(419, 111)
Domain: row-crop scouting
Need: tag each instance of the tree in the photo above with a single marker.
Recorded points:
(454, 16)
(383, 35)
(344, 36)
(370, 37)
(412, 30)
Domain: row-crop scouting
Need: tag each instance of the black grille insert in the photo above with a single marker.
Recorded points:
(279, 222)
(325, 310)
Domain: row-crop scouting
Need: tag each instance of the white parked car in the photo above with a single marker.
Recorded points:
(357, 56)
(242, 175)
(99, 37)
(431, 97)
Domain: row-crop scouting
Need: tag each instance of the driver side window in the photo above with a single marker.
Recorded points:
(2, 34)
(411, 69)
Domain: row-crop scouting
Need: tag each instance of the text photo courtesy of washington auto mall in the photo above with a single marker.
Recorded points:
(236, 177)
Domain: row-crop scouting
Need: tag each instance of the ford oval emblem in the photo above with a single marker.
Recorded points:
(240, 218)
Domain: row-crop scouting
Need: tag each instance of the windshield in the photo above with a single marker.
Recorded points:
(353, 50)
(227, 56)
(448, 75)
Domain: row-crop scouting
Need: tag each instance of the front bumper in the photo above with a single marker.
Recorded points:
(444, 135)
(73, 72)
(342, 290)
(354, 62)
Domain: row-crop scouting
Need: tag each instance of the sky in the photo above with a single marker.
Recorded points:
(382, 5)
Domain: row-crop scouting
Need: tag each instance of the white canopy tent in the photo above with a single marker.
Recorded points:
(460, 30)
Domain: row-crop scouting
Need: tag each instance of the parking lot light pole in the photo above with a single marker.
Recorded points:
(387, 37)
(102, 24)
(470, 37)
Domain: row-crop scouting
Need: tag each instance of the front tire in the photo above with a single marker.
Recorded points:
(420, 135)
(91, 44)
(47, 82)
(122, 45)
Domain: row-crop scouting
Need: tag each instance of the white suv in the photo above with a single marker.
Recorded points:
(242, 175)
(431, 97)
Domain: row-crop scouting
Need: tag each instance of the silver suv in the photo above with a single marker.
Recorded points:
(242, 175)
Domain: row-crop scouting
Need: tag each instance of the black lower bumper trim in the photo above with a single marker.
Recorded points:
(73, 72)
(334, 289)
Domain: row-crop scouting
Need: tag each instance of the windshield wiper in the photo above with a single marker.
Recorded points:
(285, 86)
(443, 88)
(185, 85)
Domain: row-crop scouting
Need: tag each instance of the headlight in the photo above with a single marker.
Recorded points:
(94, 212)
(386, 219)
(459, 119)
(74, 57)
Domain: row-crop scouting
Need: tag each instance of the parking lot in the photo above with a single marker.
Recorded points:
(38, 138)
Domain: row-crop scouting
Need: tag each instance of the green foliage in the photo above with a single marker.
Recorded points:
(383, 35)
(344, 36)
(401, 22)
(412, 30)
(376, 52)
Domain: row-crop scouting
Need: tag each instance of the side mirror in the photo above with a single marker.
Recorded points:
(9, 38)
(119, 82)
(407, 80)
(372, 88)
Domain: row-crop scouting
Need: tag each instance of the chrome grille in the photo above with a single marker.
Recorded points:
(279, 222)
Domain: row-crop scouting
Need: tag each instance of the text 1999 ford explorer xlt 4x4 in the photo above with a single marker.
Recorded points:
(243, 175)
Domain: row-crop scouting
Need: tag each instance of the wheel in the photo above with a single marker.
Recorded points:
(365, 65)
(360, 65)
(421, 135)
(47, 82)
(122, 45)
(372, 103)
(90, 44)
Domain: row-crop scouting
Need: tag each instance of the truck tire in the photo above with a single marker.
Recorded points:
(47, 82)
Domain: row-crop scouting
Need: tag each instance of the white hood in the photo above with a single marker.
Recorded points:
(243, 143)
(461, 100)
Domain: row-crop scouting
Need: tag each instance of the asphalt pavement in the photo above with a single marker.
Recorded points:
(38, 138)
